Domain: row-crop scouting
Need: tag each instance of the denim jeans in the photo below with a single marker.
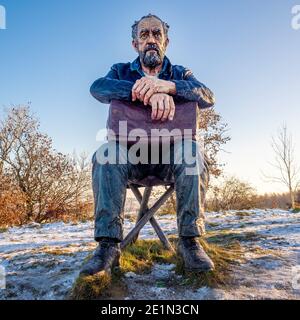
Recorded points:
(110, 186)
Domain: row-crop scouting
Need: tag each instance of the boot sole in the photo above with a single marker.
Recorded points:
(199, 269)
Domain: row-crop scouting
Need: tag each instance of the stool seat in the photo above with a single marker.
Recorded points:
(150, 181)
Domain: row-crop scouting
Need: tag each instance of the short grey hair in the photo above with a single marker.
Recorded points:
(150, 15)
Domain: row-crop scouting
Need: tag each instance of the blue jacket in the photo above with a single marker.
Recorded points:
(117, 84)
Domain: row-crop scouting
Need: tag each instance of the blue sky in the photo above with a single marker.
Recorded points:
(245, 51)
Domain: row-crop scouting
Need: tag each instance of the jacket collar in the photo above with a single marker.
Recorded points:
(164, 73)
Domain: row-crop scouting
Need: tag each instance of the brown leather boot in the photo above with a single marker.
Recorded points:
(193, 255)
(105, 258)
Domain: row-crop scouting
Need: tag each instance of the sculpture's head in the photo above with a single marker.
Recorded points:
(150, 40)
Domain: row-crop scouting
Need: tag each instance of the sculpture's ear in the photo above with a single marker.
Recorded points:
(135, 45)
(167, 42)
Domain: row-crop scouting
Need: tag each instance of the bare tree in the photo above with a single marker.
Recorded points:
(12, 202)
(285, 163)
(70, 193)
(51, 183)
(232, 193)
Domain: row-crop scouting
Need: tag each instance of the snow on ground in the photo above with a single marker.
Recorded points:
(42, 261)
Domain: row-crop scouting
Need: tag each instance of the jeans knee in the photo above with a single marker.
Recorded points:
(188, 152)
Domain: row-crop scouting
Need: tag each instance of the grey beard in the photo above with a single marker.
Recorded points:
(151, 60)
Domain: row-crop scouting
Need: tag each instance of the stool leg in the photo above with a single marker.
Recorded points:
(143, 200)
(146, 217)
(143, 207)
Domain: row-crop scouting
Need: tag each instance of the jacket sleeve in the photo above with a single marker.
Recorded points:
(111, 87)
(190, 89)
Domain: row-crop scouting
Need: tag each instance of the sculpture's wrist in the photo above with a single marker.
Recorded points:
(172, 88)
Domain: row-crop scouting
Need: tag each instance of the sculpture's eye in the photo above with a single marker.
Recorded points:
(157, 34)
(143, 35)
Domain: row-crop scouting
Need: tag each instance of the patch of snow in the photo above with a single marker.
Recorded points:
(130, 274)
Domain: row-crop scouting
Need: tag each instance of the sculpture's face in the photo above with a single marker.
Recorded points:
(151, 42)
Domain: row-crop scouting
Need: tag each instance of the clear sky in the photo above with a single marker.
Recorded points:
(245, 51)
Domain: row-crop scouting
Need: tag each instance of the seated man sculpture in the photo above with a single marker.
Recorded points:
(152, 80)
